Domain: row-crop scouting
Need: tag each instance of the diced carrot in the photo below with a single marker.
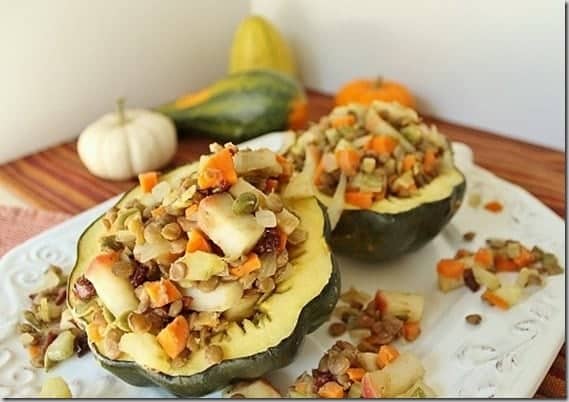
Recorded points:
(355, 373)
(382, 144)
(34, 351)
(286, 166)
(319, 171)
(409, 161)
(191, 210)
(174, 336)
(271, 185)
(411, 330)
(342, 121)
(484, 257)
(197, 242)
(331, 390)
(348, 161)
(217, 170)
(360, 199)
(162, 292)
(386, 354)
(282, 240)
(450, 268)
(106, 258)
(430, 161)
(494, 206)
(495, 300)
(524, 259)
(147, 181)
(252, 263)
(462, 253)
(505, 264)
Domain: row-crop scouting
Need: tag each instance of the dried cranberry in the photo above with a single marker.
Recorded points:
(61, 295)
(269, 242)
(138, 277)
(321, 377)
(84, 289)
(81, 345)
(470, 281)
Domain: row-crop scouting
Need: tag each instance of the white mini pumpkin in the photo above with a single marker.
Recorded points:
(120, 145)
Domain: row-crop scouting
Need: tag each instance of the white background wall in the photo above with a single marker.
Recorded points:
(64, 62)
(487, 63)
(494, 64)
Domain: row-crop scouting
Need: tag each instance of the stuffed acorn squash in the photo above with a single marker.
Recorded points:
(387, 179)
(204, 275)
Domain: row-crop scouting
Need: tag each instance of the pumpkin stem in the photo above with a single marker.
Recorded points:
(120, 110)
(378, 82)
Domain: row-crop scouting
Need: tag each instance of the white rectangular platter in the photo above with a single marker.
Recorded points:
(507, 355)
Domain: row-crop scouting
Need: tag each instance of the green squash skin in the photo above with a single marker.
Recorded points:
(372, 236)
(241, 106)
(216, 377)
(219, 376)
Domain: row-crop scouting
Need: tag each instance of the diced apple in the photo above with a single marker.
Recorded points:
(260, 388)
(419, 390)
(403, 372)
(201, 266)
(446, 284)
(529, 276)
(116, 293)
(375, 384)
(406, 306)
(486, 278)
(510, 294)
(235, 234)
(287, 221)
(222, 298)
(143, 348)
(367, 360)
(259, 160)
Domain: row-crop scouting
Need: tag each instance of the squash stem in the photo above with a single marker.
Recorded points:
(120, 111)
(378, 81)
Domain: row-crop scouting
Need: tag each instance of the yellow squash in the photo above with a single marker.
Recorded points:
(257, 44)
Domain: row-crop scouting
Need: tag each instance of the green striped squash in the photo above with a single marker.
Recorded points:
(241, 106)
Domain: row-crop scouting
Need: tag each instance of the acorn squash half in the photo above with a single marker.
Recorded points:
(395, 226)
(301, 305)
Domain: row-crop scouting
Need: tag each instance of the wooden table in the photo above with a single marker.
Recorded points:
(56, 180)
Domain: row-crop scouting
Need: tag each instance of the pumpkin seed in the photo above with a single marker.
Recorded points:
(513, 249)
(246, 203)
(496, 243)
(175, 308)
(171, 231)
(178, 271)
(473, 319)
(338, 364)
(551, 265)
(266, 285)
(111, 343)
(214, 354)
(138, 322)
(337, 329)
(209, 285)
(274, 202)
(123, 269)
(60, 349)
(28, 339)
